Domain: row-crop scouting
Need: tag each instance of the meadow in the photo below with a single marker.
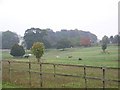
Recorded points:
(92, 56)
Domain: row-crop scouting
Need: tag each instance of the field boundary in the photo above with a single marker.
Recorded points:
(85, 77)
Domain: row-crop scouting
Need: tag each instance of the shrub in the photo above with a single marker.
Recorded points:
(17, 50)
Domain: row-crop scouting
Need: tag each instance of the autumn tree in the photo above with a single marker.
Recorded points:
(38, 50)
(85, 41)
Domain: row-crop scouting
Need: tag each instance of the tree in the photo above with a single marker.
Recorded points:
(17, 50)
(104, 46)
(38, 50)
(116, 39)
(9, 39)
(85, 41)
(33, 35)
(104, 42)
(63, 43)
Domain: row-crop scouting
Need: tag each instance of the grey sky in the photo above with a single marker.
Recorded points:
(97, 16)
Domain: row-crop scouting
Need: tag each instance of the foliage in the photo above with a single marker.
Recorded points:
(63, 43)
(113, 39)
(104, 46)
(38, 50)
(75, 35)
(9, 39)
(51, 38)
(17, 50)
(116, 39)
(33, 35)
(85, 41)
(105, 41)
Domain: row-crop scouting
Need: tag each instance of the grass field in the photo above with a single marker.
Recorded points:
(90, 56)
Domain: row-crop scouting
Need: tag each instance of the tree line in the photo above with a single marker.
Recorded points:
(50, 39)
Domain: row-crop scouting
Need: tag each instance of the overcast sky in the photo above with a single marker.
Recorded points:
(97, 16)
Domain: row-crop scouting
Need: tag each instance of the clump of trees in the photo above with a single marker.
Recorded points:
(17, 50)
(115, 39)
(112, 40)
(46, 36)
(38, 50)
(53, 39)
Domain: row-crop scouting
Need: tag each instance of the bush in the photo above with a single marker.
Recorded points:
(17, 50)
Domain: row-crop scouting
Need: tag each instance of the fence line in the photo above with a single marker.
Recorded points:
(85, 77)
(88, 66)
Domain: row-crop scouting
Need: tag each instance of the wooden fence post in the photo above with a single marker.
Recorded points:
(85, 76)
(9, 71)
(41, 82)
(30, 74)
(54, 69)
(103, 78)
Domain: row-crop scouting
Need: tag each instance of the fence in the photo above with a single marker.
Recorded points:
(103, 78)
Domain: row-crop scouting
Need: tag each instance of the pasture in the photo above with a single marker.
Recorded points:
(92, 56)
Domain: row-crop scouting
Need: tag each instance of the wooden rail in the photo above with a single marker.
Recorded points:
(41, 73)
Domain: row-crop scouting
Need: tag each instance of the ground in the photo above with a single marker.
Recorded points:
(90, 56)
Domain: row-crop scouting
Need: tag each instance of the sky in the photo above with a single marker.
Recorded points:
(99, 17)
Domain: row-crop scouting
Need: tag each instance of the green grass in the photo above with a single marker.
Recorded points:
(9, 85)
(90, 56)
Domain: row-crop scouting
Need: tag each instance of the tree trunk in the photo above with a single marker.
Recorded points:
(103, 51)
